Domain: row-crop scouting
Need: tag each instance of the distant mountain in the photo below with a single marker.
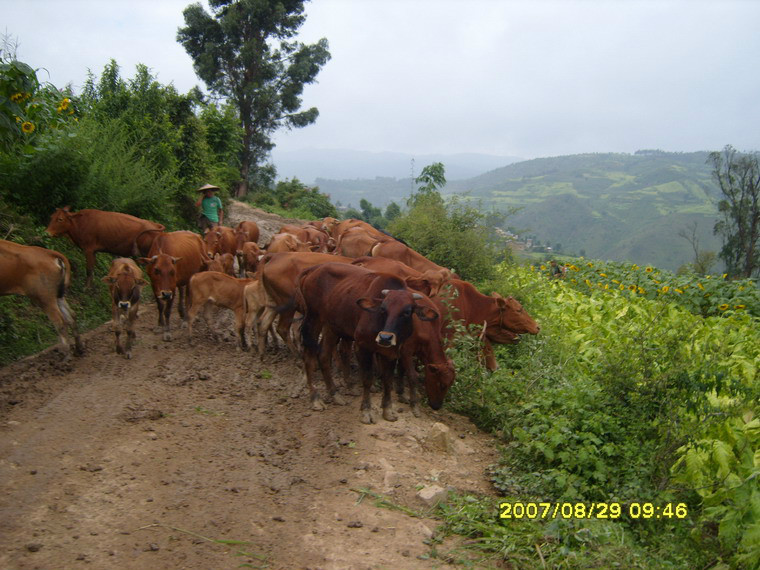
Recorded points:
(336, 164)
(612, 206)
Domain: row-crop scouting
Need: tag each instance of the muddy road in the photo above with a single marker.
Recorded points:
(204, 457)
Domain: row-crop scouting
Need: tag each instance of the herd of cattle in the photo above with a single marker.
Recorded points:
(359, 291)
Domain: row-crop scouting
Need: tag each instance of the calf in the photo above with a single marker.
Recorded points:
(249, 260)
(282, 243)
(125, 282)
(221, 262)
(212, 287)
(374, 310)
(245, 232)
(220, 239)
(43, 276)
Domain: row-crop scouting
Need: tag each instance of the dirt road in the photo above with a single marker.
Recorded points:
(202, 457)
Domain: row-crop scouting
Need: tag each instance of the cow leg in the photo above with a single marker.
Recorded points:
(310, 331)
(192, 314)
(167, 314)
(386, 371)
(181, 304)
(116, 327)
(409, 372)
(70, 319)
(365, 366)
(130, 326)
(283, 329)
(240, 326)
(265, 322)
(344, 350)
(252, 318)
(399, 378)
(89, 257)
(488, 355)
(326, 351)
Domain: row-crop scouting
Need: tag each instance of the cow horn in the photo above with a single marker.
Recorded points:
(416, 296)
(384, 292)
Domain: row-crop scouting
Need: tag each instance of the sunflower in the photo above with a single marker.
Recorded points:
(649, 269)
(665, 288)
(27, 127)
(16, 97)
(632, 287)
(740, 307)
(701, 286)
(723, 307)
(589, 264)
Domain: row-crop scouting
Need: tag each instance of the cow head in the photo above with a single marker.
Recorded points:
(513, 320)
(125, 289)
(162, 270)
(395, 308)
(213, 240)
(60, 222)
(241, 237)
(438, 379)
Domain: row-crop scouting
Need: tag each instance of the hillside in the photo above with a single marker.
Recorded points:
(612, 206)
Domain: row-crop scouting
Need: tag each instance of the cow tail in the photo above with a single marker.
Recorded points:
(63, 286)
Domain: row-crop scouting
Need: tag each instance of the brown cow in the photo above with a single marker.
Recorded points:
(125, 282)
(212, 287)
(220, 239)
(319, 240)
(221, 262)
(43, 276)
(97, 230)
(343, 226)
(245, 232)
(249, 261)
(282, 243)
(357, 242)
(428, 282)
(278, 273)
(393, 249)
(173, 259)
(378, 313)
(505, 319)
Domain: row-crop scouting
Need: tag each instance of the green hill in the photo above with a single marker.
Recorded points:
(612, 206)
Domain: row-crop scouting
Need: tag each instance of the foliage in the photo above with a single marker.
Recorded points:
(616, 397)
(294, 199)
(708, 295)
(243, 51)
(738, 177)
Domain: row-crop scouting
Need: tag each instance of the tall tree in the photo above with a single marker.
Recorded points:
(244, 51)
(738, 178)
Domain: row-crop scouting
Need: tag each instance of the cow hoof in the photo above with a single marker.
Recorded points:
(403, 399)
(167, 337)
(367, 417)
(389, 415)
(128, 356)
(354, 390)
(339, 400)
(416, 411)
(318, 406)
(119, 349)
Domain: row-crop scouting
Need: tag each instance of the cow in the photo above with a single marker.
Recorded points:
(222, 290)
(318, 240)
(125, 282)
(249, 261)
(245, 232)
(43, 276)
(173, 259)
(220, 239)
(278, 273)
(281, 243)
(394, 249)
(428, 282)
(357, 242)
(504, 319)
(379, 314)
(337, 230)
(94, 231)
(221, 262)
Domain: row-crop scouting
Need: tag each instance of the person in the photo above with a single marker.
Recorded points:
(556, 271)
(212, 214)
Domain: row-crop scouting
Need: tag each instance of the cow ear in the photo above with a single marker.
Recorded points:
(66, 208)
(425, 313)
(175, 260)
(371, 305)
(314, 248)
(419, 284)
(109, 279)
(141, 281)
(144, 260)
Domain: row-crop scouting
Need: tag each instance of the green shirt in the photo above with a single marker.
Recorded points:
(210, 208)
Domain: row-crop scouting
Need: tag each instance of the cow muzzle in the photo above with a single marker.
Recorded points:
(385, 339)
(124, 305)
(166, 295)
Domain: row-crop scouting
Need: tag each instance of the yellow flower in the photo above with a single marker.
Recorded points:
(649, 269)
(741, 287)
(701, 286)
(589, 264)
(64, 104)
(678, 291)
(725, 275)
(665, 288)
(602, 275)
(723, 307)
(543, 267)
(740, 307)
(642, 291)
(632, 287)
(573, 280)
(587, 282)
(634, 267)
(27, 127)
(621, 287)
(16, 97)
(656, 281)
(532, 267)
(615, 281)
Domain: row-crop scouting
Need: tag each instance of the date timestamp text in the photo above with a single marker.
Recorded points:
(570, 510)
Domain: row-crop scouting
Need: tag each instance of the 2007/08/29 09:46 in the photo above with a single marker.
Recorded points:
(570, 510)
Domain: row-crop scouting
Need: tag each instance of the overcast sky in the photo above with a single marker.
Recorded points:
(514, 78)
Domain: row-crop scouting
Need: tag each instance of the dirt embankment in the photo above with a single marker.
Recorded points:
(203, 457)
